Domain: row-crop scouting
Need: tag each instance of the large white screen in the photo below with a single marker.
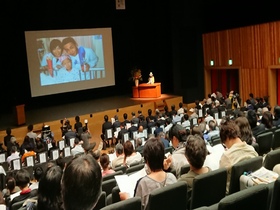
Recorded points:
(49, 75)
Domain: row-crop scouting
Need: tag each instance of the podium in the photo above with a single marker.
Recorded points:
(147, 91)
(20, 114)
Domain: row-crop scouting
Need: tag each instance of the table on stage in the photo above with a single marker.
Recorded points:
(147, 90)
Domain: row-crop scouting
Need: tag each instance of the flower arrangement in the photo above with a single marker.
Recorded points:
(136, 74)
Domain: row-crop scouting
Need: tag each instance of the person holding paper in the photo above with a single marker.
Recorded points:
(157, 178)
(236, 149)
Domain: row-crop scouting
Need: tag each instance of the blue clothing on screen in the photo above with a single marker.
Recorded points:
(89, 57)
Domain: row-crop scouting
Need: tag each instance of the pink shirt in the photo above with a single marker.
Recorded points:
(110, 171)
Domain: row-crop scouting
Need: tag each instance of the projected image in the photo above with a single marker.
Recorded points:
(62, 61)
(70, 59)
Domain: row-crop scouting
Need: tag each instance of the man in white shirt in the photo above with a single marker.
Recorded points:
(14, 155)
(77, 147)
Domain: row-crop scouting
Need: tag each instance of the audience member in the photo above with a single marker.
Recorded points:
(86, 137)
(119, 156)
(139, 145)
(116, 123)
(105, 164)
(106, 125)
(236, 149)
(125, 119)
(14, 155)
(83, 191)
(22, 178)
(26, 144)
(31, 134)
(78, 148)
(49, 198)
(78, 126)
(8, 136)
(40, 146)
(276, 114)
(246, 133)
(10, 189)
(157, 178)
(140, 134)
(195, 153)
(185, 121)
(161, 137)
(213, 130)
(38, 173)
(180, 111)
(134, 119)
(11, 143)
(267, 120)
(253, 121)
(178, 137)
(130, 155)
(121, 133)
(69, 134)
(158, 129)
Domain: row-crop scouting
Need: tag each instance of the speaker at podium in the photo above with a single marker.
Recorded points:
(20, 114)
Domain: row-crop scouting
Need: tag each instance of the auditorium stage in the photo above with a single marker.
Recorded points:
(52, 113)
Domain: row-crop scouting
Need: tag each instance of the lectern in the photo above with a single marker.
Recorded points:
(20, 114)
(147, 91)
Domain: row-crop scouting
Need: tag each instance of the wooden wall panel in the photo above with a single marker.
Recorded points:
(253, 49)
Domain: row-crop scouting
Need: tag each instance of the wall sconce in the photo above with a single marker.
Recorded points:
(141, 105)
(211, 62)
(230, 62)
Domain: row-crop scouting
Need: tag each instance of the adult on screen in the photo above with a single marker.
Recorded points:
(50, 61)
(83, 58)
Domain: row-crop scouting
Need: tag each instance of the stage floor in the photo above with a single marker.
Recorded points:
(52, 113)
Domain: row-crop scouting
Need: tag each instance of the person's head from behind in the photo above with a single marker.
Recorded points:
(138, 142)
(106, 118)
(10, 183)
(8, 131)
(177, 134)
(267, 119)
(125, 116)
(50, 197)
(195, 130)
(252, 118)
(119, 149)
(70, 46)
(153, 153)
(81, 183)
(13, 149)
(228, 130)
(56, 48)
(246, 133)
(104, 161)
(77, 118)
(85, 129)
(66, 62)
(30, 127)
(128, 148)
(276, 112)
(38, 173)
(196, 151)
(22, 178)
